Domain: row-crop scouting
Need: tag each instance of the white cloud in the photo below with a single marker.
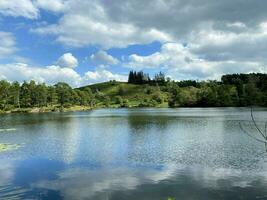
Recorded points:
(19, 8)
(101, 57)
(86, 23)
(50, 74)
(67, 60)
(7, 44)
(53, 74)
(101, 75)
(218, 34)
(81, 183)
(180, 63)
(51, 5)
(125, 22)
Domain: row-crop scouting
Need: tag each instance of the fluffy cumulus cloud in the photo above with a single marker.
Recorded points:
(218, 34)
(50, 74)
(180, 63)
(30, 8)
(67, 60)
(102, 75)
(101, 57)
(21, 8)
(123, 22)
(53, 74)
(51, 5)
(7, 44)
(201, 38)
(88, 23)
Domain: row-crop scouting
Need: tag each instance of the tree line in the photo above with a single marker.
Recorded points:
(30, 94)
(232, 90)
(142, 78)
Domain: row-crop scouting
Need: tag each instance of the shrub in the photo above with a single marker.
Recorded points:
(118, 100)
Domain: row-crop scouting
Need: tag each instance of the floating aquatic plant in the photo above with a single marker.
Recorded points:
(8, 147)
(7, 130)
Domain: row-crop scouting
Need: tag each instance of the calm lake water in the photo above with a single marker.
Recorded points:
(140, 154)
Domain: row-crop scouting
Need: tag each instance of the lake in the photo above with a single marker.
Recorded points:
(142, 154)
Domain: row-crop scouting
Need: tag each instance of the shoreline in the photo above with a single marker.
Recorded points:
(87, 108)
(47, 109)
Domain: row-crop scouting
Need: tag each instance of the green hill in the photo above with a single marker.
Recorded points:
(121, 94)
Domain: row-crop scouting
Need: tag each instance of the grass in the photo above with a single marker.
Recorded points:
(135, 95)
(45, 109)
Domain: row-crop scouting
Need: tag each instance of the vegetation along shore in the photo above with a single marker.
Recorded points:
(234, 90)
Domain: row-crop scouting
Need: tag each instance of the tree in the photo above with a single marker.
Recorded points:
(41, 93)
(176, 98)
(64, 93)
(91, 96)
(138, 77)
(131, 77)
(15, 94)
(25, 95)
(160, 78)
(252, 95)
(226, 95)
(207, 95)
(4, 93)
(33, 93)
(52, 97)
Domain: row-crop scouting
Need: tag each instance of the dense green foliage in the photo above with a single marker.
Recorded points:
(29, 95)
(142, 78)
(140, 91)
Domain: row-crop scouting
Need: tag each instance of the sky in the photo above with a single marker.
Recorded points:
(84, 42)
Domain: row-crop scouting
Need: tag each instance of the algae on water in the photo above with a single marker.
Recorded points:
(8, 147)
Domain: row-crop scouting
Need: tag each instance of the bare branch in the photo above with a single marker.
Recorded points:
(255, 124)
(257, 139)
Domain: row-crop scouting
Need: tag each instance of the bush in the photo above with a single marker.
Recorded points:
(118, 100)
(148, 103)
(106, 101)
(125, 103)
(122, 91)
(157, 98)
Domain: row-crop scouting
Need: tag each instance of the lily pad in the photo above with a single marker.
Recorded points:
(8, 147)
(8, 130)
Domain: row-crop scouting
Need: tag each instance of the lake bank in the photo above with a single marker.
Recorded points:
(46, 109)
(87, 108)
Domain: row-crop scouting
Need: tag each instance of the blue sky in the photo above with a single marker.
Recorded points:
(84, 42)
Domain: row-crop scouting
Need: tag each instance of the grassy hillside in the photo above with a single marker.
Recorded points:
(121, 94)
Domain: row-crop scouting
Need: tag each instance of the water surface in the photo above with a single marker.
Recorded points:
(133, 154)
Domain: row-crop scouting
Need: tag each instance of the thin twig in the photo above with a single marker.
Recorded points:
(255, 124)
(259, 140)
